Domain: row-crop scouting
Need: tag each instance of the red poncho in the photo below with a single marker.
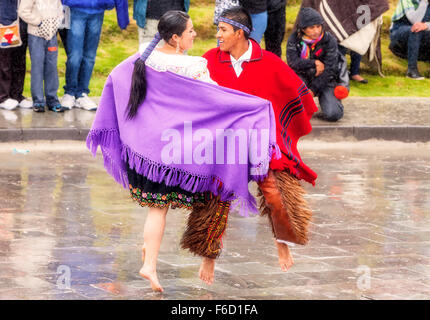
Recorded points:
(268, 77)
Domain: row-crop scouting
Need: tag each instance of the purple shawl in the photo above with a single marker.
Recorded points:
(177, 134)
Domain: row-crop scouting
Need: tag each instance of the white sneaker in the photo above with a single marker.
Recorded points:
(68, 101)
(9, 104)
(9, 115)
(26, 104)
(86, 103)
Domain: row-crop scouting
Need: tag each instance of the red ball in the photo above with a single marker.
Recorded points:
(341, 92)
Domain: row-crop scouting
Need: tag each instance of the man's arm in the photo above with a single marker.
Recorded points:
(330, 61)
(417, 15)
(122, 15)
(29, 13)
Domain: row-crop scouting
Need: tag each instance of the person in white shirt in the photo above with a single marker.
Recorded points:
(43, 18)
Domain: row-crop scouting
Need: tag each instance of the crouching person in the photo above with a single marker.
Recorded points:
(313, 54)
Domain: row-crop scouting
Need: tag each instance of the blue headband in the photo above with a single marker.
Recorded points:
(235, 23)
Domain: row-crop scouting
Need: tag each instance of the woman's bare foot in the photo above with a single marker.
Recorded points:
(285, 257)
(143, 253)
(151, 275)
(207, 269)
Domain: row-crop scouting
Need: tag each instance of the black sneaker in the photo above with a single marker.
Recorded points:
(57, 108)
(414, 74)
(39, 108)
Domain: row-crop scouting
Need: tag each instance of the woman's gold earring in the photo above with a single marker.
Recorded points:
(177, 47)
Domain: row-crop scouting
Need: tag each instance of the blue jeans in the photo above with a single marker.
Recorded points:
(411, 45)
(82, 42)
(416, 44)
(259, 23)
(331, 107)
(44, 56)
(355, 60)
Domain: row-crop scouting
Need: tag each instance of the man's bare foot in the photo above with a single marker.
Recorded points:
(285, 257)
(207, 269)
(153, 279)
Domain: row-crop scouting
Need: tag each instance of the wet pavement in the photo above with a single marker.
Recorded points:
(389, 118)
(68, 231)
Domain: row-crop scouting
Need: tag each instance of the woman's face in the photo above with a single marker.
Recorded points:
(186, 40)
(313, 32)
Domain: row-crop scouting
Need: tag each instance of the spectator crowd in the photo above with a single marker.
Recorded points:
(324, 33)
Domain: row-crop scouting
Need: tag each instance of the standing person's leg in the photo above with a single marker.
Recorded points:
(91, 44)
(75, 47)
(275, 30)
(425, 47)
(19, 67)
(37, 47)
(6, 71)
(355, 63)
(153, 234)
(147, 34)
(63, 37)
(259, 22)
(141, 35)
(414, 43)
(355, 67)
(399, 35)
(331, 107)
(51, 76)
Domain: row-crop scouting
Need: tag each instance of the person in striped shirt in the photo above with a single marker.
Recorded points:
(410, 34)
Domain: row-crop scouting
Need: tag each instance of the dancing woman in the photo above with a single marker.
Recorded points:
(176, 28)
(171, 97)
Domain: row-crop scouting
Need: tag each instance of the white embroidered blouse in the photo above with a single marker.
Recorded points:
(188, 66)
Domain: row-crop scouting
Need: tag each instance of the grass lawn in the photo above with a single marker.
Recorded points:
(117, 45)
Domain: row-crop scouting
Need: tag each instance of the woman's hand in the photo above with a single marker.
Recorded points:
(319, 68)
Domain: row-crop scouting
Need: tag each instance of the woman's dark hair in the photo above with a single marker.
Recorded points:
(241, 15)
(172, 22)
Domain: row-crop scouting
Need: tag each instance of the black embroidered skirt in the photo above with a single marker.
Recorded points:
(153, 194)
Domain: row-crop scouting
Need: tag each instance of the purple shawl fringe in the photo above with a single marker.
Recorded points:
(122, 142)
(109, 139)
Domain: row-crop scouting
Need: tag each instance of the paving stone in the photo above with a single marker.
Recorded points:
(371, 214)
(364, 118)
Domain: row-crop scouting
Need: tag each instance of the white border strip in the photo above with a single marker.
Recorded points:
(333, 17)
(332, 27)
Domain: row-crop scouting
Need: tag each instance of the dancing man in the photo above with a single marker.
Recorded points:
(240, 63)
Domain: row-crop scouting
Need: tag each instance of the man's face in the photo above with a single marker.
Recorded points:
(313, 32)
(226, 36)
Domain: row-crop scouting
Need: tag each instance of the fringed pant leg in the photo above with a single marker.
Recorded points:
(205, 228)
(281, 199)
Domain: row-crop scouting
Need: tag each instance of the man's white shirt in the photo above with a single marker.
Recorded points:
(237, 64)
